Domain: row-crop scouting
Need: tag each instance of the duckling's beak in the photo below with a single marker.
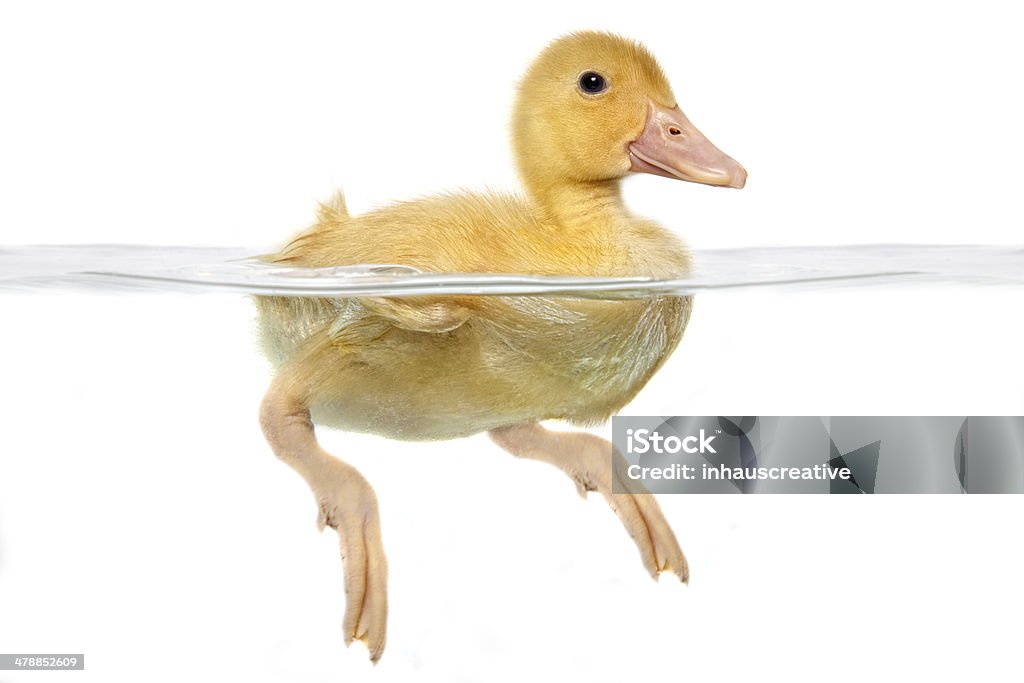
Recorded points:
(671, 146)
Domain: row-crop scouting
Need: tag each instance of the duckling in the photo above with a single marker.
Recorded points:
(592, 108)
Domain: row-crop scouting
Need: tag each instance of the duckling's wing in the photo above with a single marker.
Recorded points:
(420, 314)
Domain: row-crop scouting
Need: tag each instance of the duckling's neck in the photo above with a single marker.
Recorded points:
(580, 204)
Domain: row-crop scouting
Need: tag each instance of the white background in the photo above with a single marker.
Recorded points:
(144, 522)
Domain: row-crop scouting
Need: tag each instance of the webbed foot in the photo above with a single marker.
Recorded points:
(595, 465)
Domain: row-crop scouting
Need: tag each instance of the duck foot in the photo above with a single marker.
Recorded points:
(348, 505)
(595, 465)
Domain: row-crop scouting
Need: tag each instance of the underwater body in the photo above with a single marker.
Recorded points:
(153, 374)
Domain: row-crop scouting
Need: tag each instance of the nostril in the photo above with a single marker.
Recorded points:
(674, 131)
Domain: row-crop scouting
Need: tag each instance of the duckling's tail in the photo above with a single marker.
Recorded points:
(286, 322)
(301, 248)
(333, 210)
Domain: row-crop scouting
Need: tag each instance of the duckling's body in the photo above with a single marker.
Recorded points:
(512, 358)
(591, 108)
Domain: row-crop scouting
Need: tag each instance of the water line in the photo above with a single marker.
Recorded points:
(113, 267)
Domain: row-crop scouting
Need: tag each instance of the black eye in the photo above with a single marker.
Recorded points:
(592, 83)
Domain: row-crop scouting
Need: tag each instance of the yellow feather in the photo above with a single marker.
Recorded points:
(439, 368)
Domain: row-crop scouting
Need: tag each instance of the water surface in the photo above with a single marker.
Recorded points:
(118, 267)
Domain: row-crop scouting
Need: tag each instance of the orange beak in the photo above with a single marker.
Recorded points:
(671, 146)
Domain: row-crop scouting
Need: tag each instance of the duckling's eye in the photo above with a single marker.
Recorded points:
(593, 83)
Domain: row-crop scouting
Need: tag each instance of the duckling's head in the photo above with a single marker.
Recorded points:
(595, 106)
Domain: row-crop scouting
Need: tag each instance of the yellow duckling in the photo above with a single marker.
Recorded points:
(590, 109)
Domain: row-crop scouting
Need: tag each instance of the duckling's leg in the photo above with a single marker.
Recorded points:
(588, 460)
(347, 504)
